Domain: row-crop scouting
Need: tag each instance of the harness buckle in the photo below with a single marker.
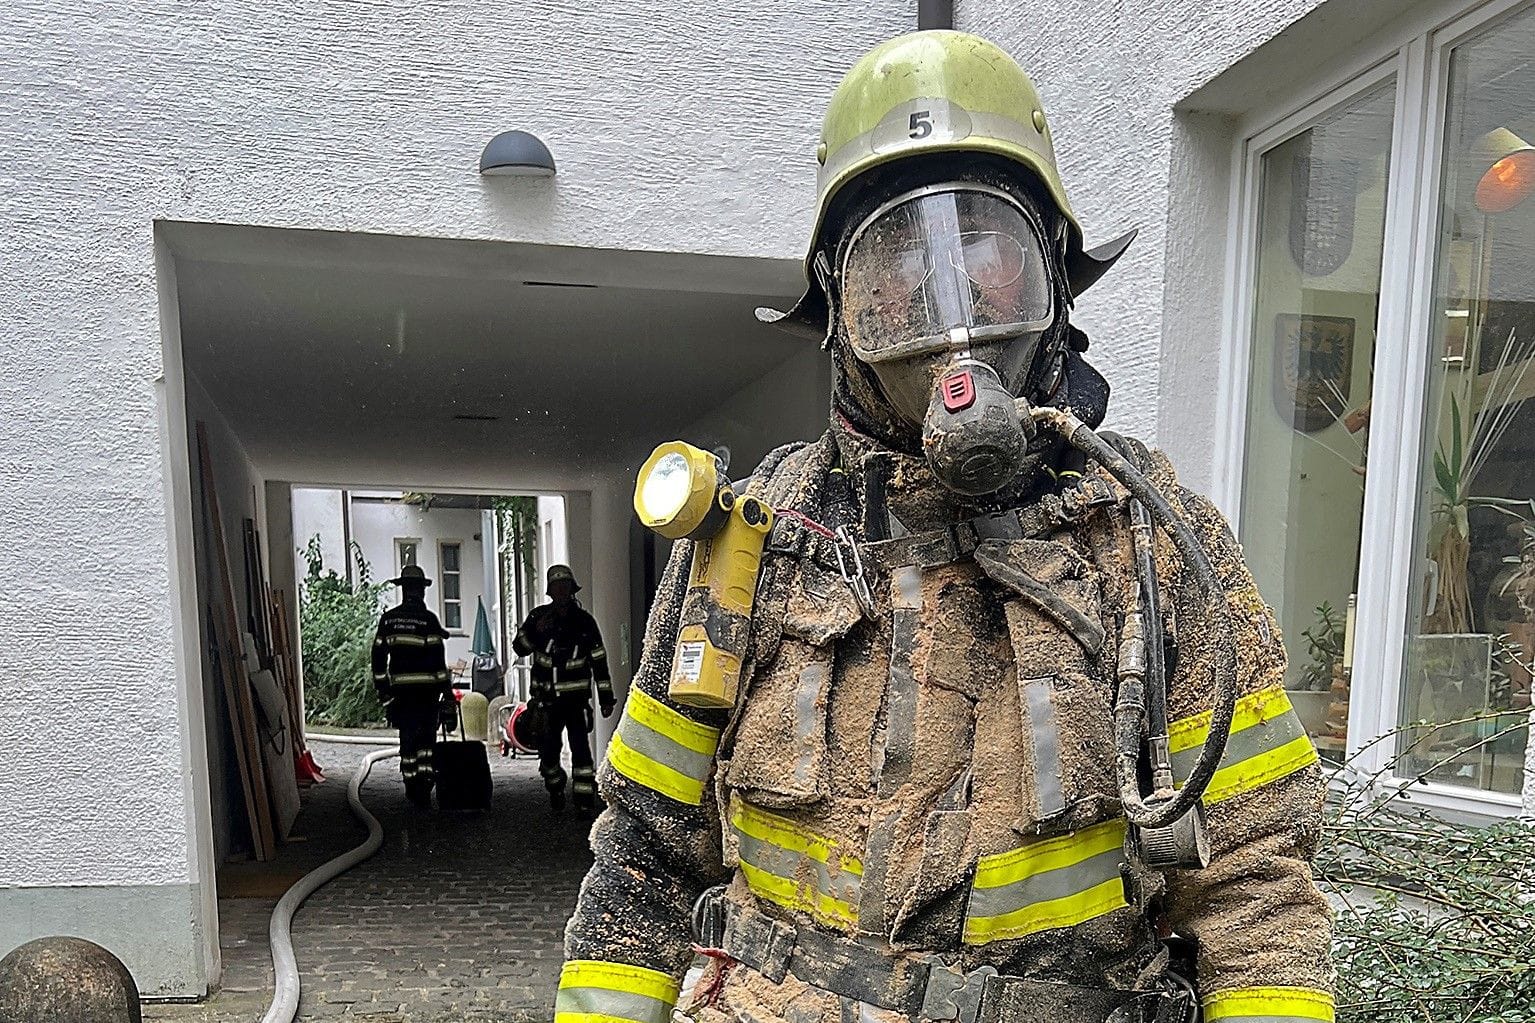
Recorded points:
(1081, 497)
(850, 567)
(952, 994)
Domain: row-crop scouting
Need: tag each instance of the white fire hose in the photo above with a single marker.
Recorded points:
(284, 1005)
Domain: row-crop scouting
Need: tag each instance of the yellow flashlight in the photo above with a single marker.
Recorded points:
(680, 494)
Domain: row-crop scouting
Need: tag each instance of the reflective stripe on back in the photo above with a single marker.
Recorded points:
(419, 678)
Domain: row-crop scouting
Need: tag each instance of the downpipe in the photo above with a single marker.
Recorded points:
(284, 1005)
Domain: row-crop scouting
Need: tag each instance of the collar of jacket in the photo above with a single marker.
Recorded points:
(897, 494)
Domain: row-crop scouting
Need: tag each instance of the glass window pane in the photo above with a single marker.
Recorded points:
(450, 586)
(450, 557)
(407, 554)
(453, 617)
(1472, 634)
(1321, 229)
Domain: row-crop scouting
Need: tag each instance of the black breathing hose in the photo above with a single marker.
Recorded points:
(1129, 712)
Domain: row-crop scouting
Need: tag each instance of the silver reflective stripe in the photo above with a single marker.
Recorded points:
(1047, 745)
(414, 678)
(1268, 1019)
(793, 866)
(1252, 741)
(906, 587)
(603, 1002)
(893, 756)
(599, 654)
(1052, 884)
(405, 639)
(650, 743)
(809, 725)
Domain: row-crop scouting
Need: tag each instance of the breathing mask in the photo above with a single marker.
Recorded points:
(948, 297)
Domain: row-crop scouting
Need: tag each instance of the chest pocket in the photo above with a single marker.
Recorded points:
(1063, 657)
(779, 755)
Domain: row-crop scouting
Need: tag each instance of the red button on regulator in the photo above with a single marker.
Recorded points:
(958, 391)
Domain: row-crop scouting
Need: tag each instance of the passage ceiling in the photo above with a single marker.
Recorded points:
(369, 359)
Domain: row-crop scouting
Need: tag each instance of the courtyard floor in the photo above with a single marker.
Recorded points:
(458, 917)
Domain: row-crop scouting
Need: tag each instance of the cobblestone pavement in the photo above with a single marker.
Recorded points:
(458, 917)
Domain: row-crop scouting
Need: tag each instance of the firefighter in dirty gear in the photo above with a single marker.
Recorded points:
(565, 646)
(976, 684)
(410, 672)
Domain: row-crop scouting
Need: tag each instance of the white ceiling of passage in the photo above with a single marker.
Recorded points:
(391, 361)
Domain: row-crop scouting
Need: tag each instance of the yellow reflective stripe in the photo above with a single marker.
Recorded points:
(1266, 1003)
(1260, 718)
(597, 992)
(405, 639)
(653, 774)
(636, 980)
(1255, 772)
(1051, 854)
(802, 897)
(786, 863)
(779, 831)
(684, 731)
(1067, 911)
(1252, 709)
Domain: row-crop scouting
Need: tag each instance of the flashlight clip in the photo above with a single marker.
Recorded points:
(850, 567)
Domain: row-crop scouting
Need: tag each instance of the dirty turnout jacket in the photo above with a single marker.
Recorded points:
(938, 779)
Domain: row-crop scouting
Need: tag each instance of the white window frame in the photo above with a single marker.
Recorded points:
(1417, 55)
(442, 570)
(399, 558)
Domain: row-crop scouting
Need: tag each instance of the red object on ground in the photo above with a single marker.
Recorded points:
(306, 769)
(511, 739)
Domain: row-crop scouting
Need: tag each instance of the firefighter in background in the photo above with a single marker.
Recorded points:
(567, 654)
(410, 672)
(924, 801)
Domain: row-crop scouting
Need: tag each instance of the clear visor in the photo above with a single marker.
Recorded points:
(944, 269)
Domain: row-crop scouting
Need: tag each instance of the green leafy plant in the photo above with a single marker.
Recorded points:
(1324, 645)
(337, 620)
(1435, 917)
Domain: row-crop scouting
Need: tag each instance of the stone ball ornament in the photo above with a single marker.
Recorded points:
(66, 980)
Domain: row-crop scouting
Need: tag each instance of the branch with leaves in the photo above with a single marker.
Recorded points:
(1437, 918)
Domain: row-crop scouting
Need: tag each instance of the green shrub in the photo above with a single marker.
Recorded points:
(337, 620)
(1436, 919)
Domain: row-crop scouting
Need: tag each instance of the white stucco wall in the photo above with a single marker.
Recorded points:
(319, 512)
